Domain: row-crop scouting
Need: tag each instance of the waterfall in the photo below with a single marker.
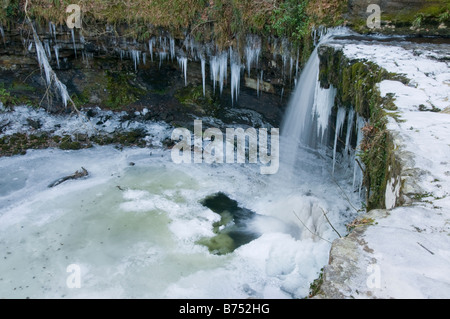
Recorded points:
(340, 119)
(297, 119)
(307, 117)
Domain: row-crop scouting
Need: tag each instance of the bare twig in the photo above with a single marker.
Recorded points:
(324, 214)
(310, 229)
(425, 248)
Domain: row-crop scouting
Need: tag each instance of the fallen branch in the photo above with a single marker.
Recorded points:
(76, 175)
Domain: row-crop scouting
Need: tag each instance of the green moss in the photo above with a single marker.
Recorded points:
(192, 96)
(68, 144)
(316, 285)
(121, 91)
(356, 84)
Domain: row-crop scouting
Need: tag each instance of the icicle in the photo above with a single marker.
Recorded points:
(135, 55)
(56, 49)
(144, 58)
(47, 49)
(340, 118)
(2, 32)
(252, 52)
(223, 63)
(162, 56)
(235, 80)
(218, 66)
(52, 30)
(42, 60)
(291, 67)
(192, 45)
(49, 73)
(30, 46)
(182, 62)
(203, 63)
(357, 173)
(323, 104)
(73, 41)
(257, 87)
(351, 116)
(172, 48)
(151, 42)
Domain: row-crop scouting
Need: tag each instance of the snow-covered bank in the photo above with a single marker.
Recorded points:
(405, 251)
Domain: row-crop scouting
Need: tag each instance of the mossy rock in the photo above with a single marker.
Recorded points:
(122, 91)
(192, 96)
(70, 145)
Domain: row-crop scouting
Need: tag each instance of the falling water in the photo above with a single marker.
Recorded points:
(309, 109)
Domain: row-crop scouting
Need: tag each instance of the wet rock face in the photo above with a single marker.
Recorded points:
(120, 74)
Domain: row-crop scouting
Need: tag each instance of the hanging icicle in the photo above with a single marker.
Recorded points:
(182, 62)
(203, 63)
(73, 41)
(252, 52)
(235, 80)
(340, 119)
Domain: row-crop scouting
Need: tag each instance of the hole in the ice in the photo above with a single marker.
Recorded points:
(232, 229)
